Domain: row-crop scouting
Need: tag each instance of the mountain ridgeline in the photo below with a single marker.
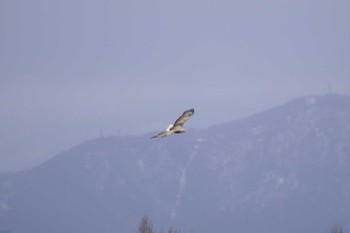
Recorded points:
(286, 169)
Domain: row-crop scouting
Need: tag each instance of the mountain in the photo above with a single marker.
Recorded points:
(286, 169)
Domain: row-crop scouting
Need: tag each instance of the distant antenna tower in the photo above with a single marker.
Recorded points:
(329, 87)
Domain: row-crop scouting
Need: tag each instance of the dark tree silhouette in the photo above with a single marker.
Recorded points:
(145, 226)
(337, 229)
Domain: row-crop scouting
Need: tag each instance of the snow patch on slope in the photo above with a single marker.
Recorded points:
(183, 179)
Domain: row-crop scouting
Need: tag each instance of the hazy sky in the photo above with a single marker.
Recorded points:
(71, 68)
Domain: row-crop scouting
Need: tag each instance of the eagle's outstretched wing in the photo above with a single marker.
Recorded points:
(184, 117)
(177, 127)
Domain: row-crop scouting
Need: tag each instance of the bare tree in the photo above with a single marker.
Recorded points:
(145, 226)
(337, 229)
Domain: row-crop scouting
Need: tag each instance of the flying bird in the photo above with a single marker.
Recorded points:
(177, 127)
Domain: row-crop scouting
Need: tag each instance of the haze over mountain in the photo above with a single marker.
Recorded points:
(69, 69)
(286, 169)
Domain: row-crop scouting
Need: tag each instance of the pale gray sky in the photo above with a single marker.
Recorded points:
(71, 68)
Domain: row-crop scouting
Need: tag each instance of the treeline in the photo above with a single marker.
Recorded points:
(145, 226)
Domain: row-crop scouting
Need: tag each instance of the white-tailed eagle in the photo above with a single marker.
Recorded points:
(177, 127)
